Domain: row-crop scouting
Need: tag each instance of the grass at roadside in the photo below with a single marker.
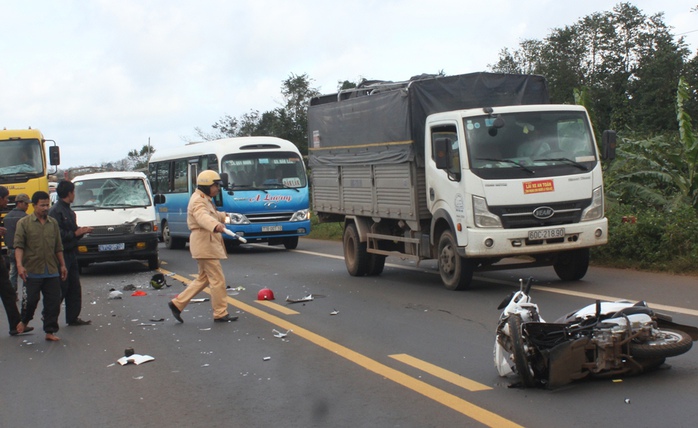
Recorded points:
(329, 231)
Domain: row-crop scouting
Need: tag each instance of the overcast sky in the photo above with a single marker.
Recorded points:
(102, 77)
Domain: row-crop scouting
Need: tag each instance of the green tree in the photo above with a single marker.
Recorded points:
(660, 171)
(139, 158)
(288, 121)
(627, 61)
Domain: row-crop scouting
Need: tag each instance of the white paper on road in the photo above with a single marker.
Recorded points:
(135, 359)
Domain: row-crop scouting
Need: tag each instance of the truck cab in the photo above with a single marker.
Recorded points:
(518, 180)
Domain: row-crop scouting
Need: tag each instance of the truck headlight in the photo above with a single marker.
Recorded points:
(595, 210)
(483, 217)
(301, 215)
(236, 218)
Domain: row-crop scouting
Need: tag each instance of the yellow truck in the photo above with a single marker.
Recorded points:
(24, 163)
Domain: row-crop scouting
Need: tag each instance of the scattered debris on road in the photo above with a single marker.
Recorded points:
(307, 298)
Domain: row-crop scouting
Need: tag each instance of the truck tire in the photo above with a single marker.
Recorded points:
(572, 265)
(376, 263)
(456, 272)
(355, 255)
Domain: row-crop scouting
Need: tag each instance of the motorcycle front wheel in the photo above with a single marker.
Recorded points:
(518, 344)
(669, 343)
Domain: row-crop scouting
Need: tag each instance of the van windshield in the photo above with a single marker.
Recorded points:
(110, 193)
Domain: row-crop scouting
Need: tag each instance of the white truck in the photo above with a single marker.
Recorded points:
(478, 171)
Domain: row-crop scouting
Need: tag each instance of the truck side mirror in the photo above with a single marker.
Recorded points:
(159, 199)
(442, 158)
(224, 180)
(608, 145)
(54, 155)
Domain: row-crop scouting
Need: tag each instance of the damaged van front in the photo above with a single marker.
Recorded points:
(119, 207)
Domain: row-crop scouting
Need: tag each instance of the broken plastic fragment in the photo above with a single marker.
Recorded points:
(266, 358)
(203, 299)
(115, 294)
(335, 312)
(279, 334)
(139, 293)
(307, 298)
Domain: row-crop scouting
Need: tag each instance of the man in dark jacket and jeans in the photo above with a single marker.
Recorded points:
(70, 235)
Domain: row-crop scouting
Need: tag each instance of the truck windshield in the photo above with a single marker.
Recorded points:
(107, 193)
(267, 170)
(531, 142)
(21, 157)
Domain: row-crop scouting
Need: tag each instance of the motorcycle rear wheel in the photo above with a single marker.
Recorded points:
(670, 344)
(518, 342)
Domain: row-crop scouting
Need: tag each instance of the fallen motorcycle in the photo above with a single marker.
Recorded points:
(600, 340)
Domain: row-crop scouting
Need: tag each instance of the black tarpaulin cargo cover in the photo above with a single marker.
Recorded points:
(384, 122)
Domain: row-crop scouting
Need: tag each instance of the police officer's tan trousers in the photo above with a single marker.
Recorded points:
(210, 274)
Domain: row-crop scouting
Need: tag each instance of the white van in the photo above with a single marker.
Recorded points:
(119, 206)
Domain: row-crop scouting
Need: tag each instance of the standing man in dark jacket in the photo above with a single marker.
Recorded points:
(22, 202)
(7, 293)
(70, 235)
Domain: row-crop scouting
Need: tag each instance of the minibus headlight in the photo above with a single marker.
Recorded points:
(301, 215)
(237, 218)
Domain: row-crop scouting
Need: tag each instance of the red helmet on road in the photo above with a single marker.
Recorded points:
(265, 294)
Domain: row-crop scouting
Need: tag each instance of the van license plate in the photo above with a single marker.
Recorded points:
(112, 247)
(539, 235)
(272, 228)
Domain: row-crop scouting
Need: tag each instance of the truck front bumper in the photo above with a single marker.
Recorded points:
(516, 242)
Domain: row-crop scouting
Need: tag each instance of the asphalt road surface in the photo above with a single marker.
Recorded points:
(397, 350)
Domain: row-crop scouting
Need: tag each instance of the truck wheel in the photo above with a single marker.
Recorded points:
(291, 243)
(456, 272)
(572, 265)
(376, 263)
(355, 255)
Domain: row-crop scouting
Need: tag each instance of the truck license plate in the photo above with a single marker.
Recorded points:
(111, 247)
(272, 228)
(539, 235)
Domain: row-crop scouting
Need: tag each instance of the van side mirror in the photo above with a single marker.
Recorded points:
(159, 199)
(608, 145)
(441, 150)
(54, 155)
(224, 180)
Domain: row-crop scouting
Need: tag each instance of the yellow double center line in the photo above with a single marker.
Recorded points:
(449, 400)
